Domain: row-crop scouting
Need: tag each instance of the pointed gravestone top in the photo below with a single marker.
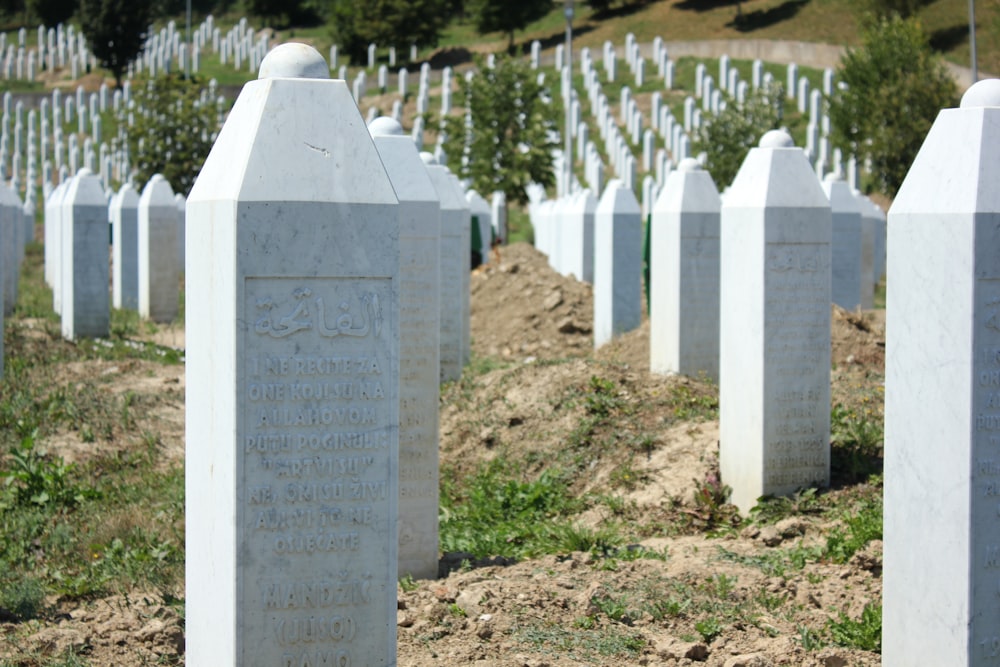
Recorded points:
(293, 61)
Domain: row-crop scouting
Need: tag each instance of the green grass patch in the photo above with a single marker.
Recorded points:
(495, 512)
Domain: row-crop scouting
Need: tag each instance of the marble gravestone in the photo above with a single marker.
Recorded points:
(293, 374)
(125, 248)
(684, 275)
(774, 323)
(86, 306)
(846, 244)
(617, 263)
(11, 217)
(454, 261)
(942, 396)
(419, 348)
(158, 268)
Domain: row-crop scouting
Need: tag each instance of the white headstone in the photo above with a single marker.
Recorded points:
(454, 263)
(578, 236)
(419, 331)
(159, 269)
(774, 343)
(180, 201)
(942, 423)
(293, 369)
(684, 275)
(85, 305)
(617, 263)
(498, 215)
(12, 212)
(125, 248)
(845, 244)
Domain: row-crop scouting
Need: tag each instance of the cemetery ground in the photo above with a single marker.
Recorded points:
(582, 521)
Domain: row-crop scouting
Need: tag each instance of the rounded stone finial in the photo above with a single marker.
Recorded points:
(832, 177)
(293, 61)
(428, 158)
(689, 164)
(385, 126)
(84, 171)
(985, 93)
(156, 178)
(777, 139)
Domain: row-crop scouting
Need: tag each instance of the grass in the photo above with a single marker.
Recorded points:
(72, 529)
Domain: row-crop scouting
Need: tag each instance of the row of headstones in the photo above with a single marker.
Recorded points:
(325, 325)
(46, 136)
(676, 136)
(146, 235)
(55, 48)
(776, 260)
(568, 232)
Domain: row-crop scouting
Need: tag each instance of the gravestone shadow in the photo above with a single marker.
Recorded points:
(945, 39)
(454, 561)
(450, 57)
(625, 9)
(763, 18)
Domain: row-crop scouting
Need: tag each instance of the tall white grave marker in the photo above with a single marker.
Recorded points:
(617, 263)
(942, 421)
(684, 275)
(774, 319)
(125, 248)
(420, 335)
(292, 365)
(159, 269)
(845, 244)
(454, 262)
(86, 307)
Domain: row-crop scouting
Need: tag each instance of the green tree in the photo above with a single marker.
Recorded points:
(508, 143)
(399, 23)
(895, 87)
(115, 31)
(51, 12)
(506, 17)
(177, 134)
(728, 137)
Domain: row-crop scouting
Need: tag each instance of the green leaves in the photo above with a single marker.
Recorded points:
(728, 137)
(115, 31)
(176, 135)
(895, 88)
(509, 142)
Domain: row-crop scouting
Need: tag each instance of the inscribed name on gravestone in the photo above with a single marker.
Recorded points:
(315, 466)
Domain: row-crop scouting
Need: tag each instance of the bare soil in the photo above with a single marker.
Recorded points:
(532, 328)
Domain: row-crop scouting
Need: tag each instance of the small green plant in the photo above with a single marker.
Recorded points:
(771, 509)
(860, 528)
(709, 629)
(855, 443)
(407, 583)
(864, 633)
(22, 597)
(690, 403)
(809, 638)
(36, 479)
(615, 608)
(602, 399)
(455, 610)
(711, 504)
